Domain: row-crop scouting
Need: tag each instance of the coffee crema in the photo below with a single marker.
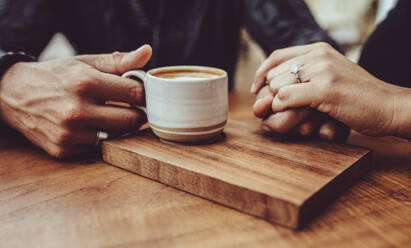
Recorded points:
(186, 73)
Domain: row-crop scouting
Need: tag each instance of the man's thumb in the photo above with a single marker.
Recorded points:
(119, 63)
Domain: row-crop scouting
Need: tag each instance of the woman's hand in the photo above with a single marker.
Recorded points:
(59, 104)
(332, 85)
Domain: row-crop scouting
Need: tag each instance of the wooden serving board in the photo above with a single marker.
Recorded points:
(283, 181)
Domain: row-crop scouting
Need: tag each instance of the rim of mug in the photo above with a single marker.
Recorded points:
(199, 67)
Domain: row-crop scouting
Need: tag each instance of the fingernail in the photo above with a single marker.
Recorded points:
(138, 50)
(253, 88)
(141, 48)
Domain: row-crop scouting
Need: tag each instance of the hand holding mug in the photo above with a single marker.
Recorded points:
(59, 105)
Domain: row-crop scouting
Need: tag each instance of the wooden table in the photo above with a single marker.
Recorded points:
(87, 203)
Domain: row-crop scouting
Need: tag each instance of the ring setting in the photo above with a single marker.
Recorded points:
(295, 69)
(100, 136)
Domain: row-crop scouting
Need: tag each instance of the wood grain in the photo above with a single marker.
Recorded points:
(282, 181)
(86, 203)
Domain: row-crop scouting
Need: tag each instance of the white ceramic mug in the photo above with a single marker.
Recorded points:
(185, 109)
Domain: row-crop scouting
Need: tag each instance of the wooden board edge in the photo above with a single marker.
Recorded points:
(260, 205)
(320, 200)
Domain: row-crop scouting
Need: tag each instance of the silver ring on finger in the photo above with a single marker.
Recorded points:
(100, 136)
(295, 69)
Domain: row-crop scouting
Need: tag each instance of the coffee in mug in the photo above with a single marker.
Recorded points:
(186, 104)
(185, 73)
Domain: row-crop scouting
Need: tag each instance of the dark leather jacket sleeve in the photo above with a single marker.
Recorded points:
(277, 24)
(27, 25)
(387, 52)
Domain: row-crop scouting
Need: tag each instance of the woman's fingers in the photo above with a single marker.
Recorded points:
(262, 105)
(284, 79)
(294, 96)
(278, 57)
(285, 68)
(283, 122)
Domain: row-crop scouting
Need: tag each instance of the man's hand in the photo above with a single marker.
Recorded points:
(334, 86)
(59, 105)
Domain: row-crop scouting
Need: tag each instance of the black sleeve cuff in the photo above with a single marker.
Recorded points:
(7, 59)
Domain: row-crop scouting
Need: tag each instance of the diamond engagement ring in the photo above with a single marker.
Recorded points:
(294, 69)
(100, 136)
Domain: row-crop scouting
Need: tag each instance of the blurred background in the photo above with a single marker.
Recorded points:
(349, 22)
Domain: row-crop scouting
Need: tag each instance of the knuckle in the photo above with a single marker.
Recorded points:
(283, 94)
(274, 88)
(135, 94)
(325, 67)
(130, 121)
(276, 53)
(323, 53)
(326, 89)
(83, 86)
(63, 136)
(115, 59)
(323, 45)
(73, 113)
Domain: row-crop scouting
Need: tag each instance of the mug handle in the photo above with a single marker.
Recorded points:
(140, 74)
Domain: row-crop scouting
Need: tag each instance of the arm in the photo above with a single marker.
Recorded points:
(277, 24)
(403, 111)
(386, 54)
(27, 26)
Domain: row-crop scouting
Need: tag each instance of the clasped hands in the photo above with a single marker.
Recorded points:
(334, 94)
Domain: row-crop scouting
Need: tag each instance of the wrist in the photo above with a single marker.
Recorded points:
(401, 121)
(8, 59)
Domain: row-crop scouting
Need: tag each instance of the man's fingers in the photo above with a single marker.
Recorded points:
(278, 57)
(116, 118)
(262, 105)
(114, 88)
(294, 96)
(311, 123)
(283, 122)
(119, 63)
(333, 130)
